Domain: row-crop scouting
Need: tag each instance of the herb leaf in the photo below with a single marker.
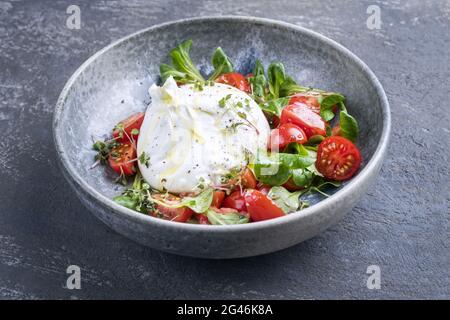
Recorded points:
(144, 159)
(221, 64)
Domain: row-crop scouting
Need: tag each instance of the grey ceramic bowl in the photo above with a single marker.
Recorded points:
(113, 83)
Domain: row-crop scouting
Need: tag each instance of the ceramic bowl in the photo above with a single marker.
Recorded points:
(114, 83)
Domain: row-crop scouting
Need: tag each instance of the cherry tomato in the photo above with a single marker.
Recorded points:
(285, 134)
(337, 158)
(264, 188)
(305, 118)
(121, 159)
(308, 101)
(201, 218)
(182, 214)
(218, 197)
(132, 122)
(274, 121)
(235, 201)
(236, 80)
(291, 186)
(248, 179)
(261, 207)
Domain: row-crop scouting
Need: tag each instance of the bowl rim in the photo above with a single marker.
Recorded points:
(354, 184)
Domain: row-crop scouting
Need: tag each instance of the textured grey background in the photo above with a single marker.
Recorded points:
(402, 224)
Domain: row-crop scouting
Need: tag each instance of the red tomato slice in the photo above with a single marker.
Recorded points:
(121, 159)
(305, 118)
(285, 134)
(235, 201)
(248, 179)
(291, 186)
(337, 158)
(182, 214)
(132, 122)
(308, 101)
(218, 197)
(261, 207)
(236, 80)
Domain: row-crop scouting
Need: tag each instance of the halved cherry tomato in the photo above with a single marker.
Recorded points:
(285, 134)
(236, 80)
(132, 122)
(218, 197)
(248, 179)
(264, 188)
(121, 159)
(261, 207)
(235, 201)
(201, 218)
(274, 121)
(291, 186)
(311, 102)
(305, 118)
(182, 214)
(337, 158)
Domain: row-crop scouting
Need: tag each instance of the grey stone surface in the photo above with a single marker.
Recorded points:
(402, 224)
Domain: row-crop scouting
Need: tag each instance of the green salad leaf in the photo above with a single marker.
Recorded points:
(349, 126)
(327, 104)
(287, 201)
(199, 203)
(183, 69)
(226, 218)
(258, 82)
(126, 201)
(269, 169)
(289, 88)
(221, 63)
(276, 168)
(303, 177)
(274, 107)
(276, 76)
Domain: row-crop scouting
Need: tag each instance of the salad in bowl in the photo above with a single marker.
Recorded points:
(229, 148)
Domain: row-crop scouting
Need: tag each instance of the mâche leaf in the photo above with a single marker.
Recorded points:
(303, 177)
(221, 63)
(276, 76)
(183, 69)
(270, 170)
(276, 168)
(226, 218)
(289, 88)
(167, 71)
(199, 203)
(349, 126)
(275, 106)
(327, 103)
(126, 201)
(287, 201)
